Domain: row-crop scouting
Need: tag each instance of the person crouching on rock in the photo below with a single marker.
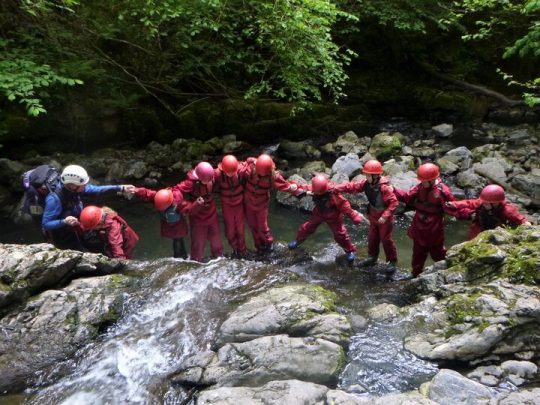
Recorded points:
(488, 211)
(118, 238)
(171, 207)
(330, 207)
(203, 218)
(427, 229)
(382, 204)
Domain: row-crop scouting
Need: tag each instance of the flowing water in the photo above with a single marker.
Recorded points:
(177, 310)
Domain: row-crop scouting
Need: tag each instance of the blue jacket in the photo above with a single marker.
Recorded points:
(61, 204)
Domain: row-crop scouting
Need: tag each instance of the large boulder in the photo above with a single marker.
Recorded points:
(449, 387)
(262, 360)
(28, 269)
(53, 325)
(529, 184)
(347, 165)
(296, 310)
(386, 144)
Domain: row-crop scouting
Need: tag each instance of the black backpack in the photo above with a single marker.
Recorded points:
(43, 177)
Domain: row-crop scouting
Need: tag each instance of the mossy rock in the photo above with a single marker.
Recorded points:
(386, 144)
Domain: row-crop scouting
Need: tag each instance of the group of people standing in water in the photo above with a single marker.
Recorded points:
(245, 189)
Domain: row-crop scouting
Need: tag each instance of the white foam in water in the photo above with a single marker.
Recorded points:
(147, 344)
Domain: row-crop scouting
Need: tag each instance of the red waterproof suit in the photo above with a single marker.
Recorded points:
(427, 228)
(331, 208)
(256, 202)
(503, 214)
(382, 203)
(203, 219)
(232, 204)
(118, 237)
(175, 230)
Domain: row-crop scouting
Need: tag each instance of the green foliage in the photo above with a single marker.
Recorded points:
(24, 80)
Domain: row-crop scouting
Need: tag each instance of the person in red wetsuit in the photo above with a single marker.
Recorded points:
(260, 177)
(118, 238)
(203, 218)
(171, 207)
(232, 202)
(330, 207)
(488, 211)
(382, 204)
(429, 199)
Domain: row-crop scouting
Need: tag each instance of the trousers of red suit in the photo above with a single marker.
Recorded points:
(202, 232)
(257, 220)
(233, 218)
(341, 236)
(420, 254)
(381, 233)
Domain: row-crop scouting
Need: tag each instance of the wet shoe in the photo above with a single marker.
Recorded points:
(391, 267)
(293, 244)
(368, 261)
(351, 256)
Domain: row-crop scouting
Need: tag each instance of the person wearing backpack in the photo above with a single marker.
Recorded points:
(37, 183)
(64, 205)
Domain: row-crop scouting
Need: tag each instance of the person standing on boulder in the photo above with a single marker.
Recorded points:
(171, 207)
(232, 203)
(429, 199)
(64, 205)
(118, 238)
(330, 207)
(382, 204)
(260, 177)
(203, 218)
(489, 211)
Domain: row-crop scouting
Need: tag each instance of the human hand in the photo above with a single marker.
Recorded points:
(200, 200)
(71, 221)
(381, 220)
(129, 189)
(293, 187)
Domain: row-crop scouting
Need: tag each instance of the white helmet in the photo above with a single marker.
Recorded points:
(74, 174)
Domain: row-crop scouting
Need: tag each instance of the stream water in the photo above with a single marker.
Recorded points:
(180, 305)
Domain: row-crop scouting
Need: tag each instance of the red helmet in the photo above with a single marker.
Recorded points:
(204, 172)
(372, 167)
(428, 172)
(492, 194)
(91, 217)
(163, 199)
(319, 184)
(264, 165)
(229, 164)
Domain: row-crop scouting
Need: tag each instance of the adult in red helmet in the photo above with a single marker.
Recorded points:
(117, 236)
(382, 204)
(260, 176)
(488, 211)
(429, 199)
(201, 208)
(172, 208)
(231, 188)
(330, 207)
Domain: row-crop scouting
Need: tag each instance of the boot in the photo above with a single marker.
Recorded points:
(391, 267)
(293, 244)
(351, 256)
(368, 261)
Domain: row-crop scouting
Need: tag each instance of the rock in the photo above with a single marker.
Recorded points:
(383, 312)
(404, 181)
(528, 184)
(348, 143)
(234, 146)
(519, 137)
(312, 168)
(524, 397)
(27, 269)
(296, 310)
(136, 170)
(492, 169)
(386, 144)
(305, 203)
(398, 165)
(449, 387)
(446, 165)
(263, 360)
(294, 150)
(461, 156)
(348, 165)
(524, 369)
(52, 326)
(469, 179)
(443, 130)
